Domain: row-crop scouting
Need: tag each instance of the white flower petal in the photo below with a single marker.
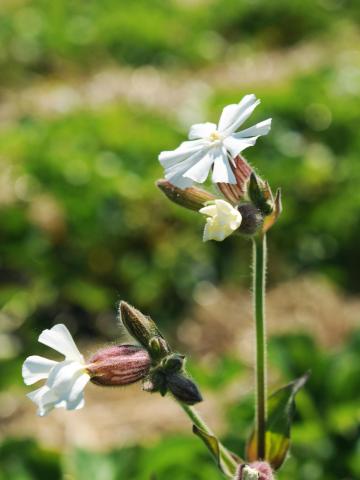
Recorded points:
(257, 130)
(36, 368)
(210, 210)
(221, 224)
(201, 130)
(234, 115)
(237, 145)
(179, 180)
(207, 235)
(63, 375)
(76, 397)
(200, 171)
(44, 398)
(36, 395)
(48, 401)
(224, 208)
(64, 388)
(60, 339)
(185, 149)
(176, 173)
(222, 171)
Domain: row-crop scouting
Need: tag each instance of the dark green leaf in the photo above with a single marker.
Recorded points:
(281, 405)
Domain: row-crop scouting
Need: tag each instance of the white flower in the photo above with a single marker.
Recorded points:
(222, 220)
(65, 381)
(212, 145)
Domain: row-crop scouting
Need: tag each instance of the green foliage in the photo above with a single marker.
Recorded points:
(178, 458)
(24, 460)
(216, 373)
(40, 38)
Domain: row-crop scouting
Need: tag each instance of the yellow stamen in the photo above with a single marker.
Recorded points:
(214, 136)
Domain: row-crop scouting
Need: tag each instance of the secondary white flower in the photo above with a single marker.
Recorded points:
(65, 381)
(222, 220)
(213, 146)
(249, 473)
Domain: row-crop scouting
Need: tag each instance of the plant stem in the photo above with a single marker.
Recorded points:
(194, 416)
(259, 256)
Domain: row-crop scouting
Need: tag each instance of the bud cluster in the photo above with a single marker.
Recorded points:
(250, 196)
(167, 371)
(153, 362)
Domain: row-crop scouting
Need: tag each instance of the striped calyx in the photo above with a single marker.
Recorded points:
(242, 172)
(119, 365)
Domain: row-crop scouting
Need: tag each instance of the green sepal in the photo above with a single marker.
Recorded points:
(281, 406)
(213, 445)
(260, 194)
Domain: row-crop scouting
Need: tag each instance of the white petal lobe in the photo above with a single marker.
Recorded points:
(36, 368)
(60, 339)
(257, 130)
(200, 171)
(177, 174)
(222, 171)
(171, 158)
(234, 115)
(237, 145)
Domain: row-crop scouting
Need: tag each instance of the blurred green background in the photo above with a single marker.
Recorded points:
(90, 93)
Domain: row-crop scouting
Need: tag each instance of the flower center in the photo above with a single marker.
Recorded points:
(214, 136)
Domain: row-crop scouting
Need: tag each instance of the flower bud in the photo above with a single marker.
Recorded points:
(173, 363)
(252, 219)
(119, 365)
(192, 198)
(143, 329)
(158, 347)
(254, 471)
(242, 171)
(183, 388)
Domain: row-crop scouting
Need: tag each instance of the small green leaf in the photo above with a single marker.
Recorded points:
(215, 449)
(281, 405)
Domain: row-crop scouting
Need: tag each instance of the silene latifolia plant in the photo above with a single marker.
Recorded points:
(244, 205)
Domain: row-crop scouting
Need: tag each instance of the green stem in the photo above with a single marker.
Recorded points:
(259, 253)
(194, 416)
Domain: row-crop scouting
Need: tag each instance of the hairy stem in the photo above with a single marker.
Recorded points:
(259, 255)
(194, 416)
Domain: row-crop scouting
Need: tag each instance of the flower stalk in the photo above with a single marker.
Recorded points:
(259, 272)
